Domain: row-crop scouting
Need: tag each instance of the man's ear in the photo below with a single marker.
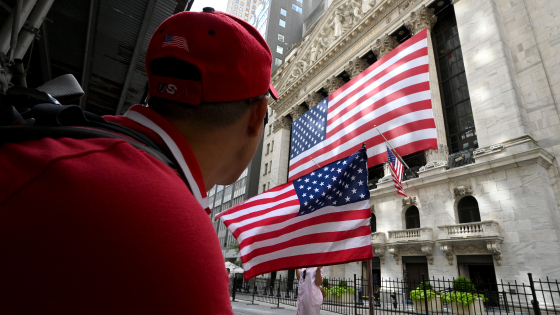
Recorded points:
(258, 111)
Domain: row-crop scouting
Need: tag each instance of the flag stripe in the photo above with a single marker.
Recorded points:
(269, 196)
(314, 238)
(269, 225)
(280, 216)
(310, 260)
(416, 66)
(300, 226)
(310, 249)
(264, 209)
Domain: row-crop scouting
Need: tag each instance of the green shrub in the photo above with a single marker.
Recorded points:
(418, 294)
(338, 290)
(463, 298)
(342, 284)
(462, 284)
(425, 284)
(325, 283)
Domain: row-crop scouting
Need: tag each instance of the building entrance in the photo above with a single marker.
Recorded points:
(480, 270)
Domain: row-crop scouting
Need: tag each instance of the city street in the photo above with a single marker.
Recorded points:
(241, 307)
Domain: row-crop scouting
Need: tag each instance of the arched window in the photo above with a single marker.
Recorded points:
(412, 218)
(468, 210)
(373, 223)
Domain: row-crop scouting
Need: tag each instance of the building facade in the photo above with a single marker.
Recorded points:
(485, 203)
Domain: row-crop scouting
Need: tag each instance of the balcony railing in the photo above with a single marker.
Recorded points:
(410, 235)
(470, 230)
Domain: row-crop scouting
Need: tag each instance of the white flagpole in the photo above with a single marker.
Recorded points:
(395, 151)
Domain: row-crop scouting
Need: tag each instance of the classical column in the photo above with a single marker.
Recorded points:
(280, 156)
(384, 45)
(355, 67)
(421, 19)
(297, 111)
(313, 99)
(333, 84)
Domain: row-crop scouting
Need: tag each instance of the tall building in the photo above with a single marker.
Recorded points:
(485, 204)
(281, 22)
(221, 198)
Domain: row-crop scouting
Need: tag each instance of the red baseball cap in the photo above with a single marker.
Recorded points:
(233, 59)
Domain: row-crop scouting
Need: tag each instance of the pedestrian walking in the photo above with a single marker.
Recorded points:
(310, 295)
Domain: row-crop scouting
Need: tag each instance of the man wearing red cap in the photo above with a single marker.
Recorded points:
(98, 226)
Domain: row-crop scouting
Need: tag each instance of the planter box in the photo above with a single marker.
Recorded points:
(476, 307)
(434, 305)
(345, 298)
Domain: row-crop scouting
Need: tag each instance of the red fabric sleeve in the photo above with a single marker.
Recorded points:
(98, 227)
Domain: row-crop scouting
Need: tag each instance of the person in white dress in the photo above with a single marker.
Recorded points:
(310, 296)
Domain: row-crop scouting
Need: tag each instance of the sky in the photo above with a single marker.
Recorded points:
(218, 5)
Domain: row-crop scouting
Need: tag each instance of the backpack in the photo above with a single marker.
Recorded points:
(31, 114)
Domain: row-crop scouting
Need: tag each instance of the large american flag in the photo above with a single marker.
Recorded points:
(396, 171)
(175, 41)
(393, 93)
(322, 218)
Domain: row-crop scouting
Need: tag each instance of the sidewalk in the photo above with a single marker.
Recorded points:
(240, 307)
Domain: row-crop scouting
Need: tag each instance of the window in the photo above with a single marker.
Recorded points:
(264, 188)
(279, 49)
(283, 12)
(241, 4)
(373, 223)
(235, 12)
(239, 14)
(236, 6)
(269, 130)
(270, 168)
(296, 8)
(268, 185)
(265, 168)
(245, 18)
(281, 37)
(467, 208)
(267, 149)
(253, 10)
(282, 23)
(237, 1)
(278, 62)
(455, 98)
(412, 218)
(248, 7)
(272, 146)
(247, 12)
(300, 1)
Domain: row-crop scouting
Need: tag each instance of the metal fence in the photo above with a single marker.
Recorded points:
(445, 296)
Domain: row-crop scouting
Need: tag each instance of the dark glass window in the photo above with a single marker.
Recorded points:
(412, 218)
(468, 210)
(373, 223)
(414, 161)
(459, 122)
(374, 174)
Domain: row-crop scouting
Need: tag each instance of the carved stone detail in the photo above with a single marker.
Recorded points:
(380, 252)
(333, 84)
(395, 252)
(313, 99)
(410, 251)
(281, 123)
(462, 191)
(409, 201)
(355, 67)
(494, 248)
(384, 45)
(297, 111)
(448, 251)
(405, 5)
(428, 250)
(420, 19)
(470, 249)
(433, 164)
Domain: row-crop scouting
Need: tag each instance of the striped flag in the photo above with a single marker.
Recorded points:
(320, 219)
(175, 41)
(393, 93)
(396, 171)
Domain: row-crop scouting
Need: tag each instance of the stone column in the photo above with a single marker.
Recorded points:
(333, 84)
(281, 128)
(421, 19)
(355, 67)
(497, 104)
(313, 99)
(384, 45)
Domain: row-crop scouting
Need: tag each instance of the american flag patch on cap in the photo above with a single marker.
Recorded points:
(175, 41)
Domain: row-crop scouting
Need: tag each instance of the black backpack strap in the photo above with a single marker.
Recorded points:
(17, 134)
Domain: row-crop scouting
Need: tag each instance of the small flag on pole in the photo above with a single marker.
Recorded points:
(396, 171)
(322, 218)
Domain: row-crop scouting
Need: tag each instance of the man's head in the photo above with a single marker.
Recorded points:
(228, 271)
(209, 75)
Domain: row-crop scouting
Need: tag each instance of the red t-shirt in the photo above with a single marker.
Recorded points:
(97, 226)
